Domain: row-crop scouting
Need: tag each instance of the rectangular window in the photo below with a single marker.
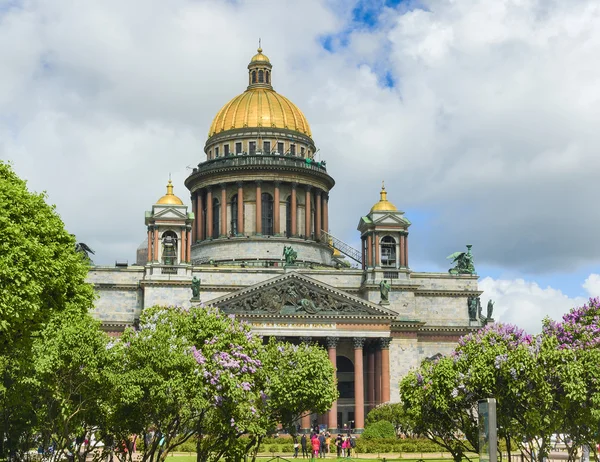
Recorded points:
(238, 148)
(302, 151)
(226, 150)
(216, 151)
(210, 154)
(280, 148)
(252, 147)
(267, 147)
(292, 149)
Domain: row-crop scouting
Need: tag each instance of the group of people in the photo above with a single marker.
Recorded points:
(319, 445)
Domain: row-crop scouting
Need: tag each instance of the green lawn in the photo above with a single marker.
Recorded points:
(364, 457)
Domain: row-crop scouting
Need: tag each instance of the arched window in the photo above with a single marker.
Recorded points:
(169, 248)
(345, 377)
(288, 216)
(261, 76)
(268, 76)
(234, 215)
(216, 218)
(253, 76)
(267, 214)
(388, 251)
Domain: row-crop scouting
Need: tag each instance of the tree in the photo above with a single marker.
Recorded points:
(40, 275)
(74, 394)
(183, 374)
(391, 412)
(40, 272)
(437, 411)
(379, 429)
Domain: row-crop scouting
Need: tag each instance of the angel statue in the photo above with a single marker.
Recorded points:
(464, 262)
(84, 250)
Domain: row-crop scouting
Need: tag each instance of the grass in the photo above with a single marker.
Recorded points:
(266, 458)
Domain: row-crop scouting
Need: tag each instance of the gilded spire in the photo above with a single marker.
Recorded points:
(169, 198)
(383, 205)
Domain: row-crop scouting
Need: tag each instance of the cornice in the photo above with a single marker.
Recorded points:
(447, 293)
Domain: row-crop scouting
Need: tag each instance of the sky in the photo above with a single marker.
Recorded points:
(480, 115)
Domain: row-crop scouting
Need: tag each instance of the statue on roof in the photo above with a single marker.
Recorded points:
(384, 291)
(289, 254)
(490, 309)
(196, 288)
(464, 262)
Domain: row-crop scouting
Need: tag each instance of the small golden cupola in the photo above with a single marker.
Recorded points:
(383, 205)
(259, 71)
(169, 198)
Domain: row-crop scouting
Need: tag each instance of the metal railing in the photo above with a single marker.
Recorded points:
(340, 245)
(261, 160)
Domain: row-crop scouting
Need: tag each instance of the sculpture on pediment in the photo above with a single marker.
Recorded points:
(464, 262)
(292, 297)
(196, 288)
(289, 254)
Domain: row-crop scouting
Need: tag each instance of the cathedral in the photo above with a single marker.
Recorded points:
(256, 244)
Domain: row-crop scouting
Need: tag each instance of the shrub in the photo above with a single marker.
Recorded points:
(380, 429)
(287, 447)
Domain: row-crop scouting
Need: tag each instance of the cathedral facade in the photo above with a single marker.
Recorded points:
(255, 243)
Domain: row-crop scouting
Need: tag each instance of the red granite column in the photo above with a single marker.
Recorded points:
(189, 246)
(326, 212)
(369, 251)
(182, 247)
(209, 214)
(362, 249)
(318, 199)
(258, 227)
(294, 206)
(200, 218)
(402, 256)
(195, 212)
(406, 250)
(377, 375)
(155, 244)
(307, 213)
(240, 211)
(385, 369)
(332, 423)
(305, 420)
(276, 210)
(223, 209)
(359, 390)
(371, 378)
(149, 259)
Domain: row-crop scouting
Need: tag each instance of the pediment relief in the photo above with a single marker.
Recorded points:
(296, 295)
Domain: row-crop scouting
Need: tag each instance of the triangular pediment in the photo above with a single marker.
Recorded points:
(390, 219)
(170, 213)
(296, 295)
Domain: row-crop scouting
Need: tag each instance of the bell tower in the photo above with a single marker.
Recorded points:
(384, 238)
(169, 236)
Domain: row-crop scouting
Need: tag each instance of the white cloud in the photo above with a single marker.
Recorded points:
(492, 126)
(526, 304)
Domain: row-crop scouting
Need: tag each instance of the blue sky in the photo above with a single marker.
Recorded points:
(480, 115)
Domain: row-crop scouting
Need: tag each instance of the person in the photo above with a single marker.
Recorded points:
(315, 444)
(303, 444)
(296, 446)
(338, 445)
(352, 445)
(322, 445)
(327, 442)
(346, 447)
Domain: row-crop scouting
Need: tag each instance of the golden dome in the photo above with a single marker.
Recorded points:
(383, 205)
(259, 57)
(169, 198)
(260, 107)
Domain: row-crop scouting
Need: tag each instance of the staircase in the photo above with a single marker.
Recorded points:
(340, 245)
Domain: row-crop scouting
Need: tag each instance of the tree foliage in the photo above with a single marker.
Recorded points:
(379, 429)
(394, 413)
(543, 385)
